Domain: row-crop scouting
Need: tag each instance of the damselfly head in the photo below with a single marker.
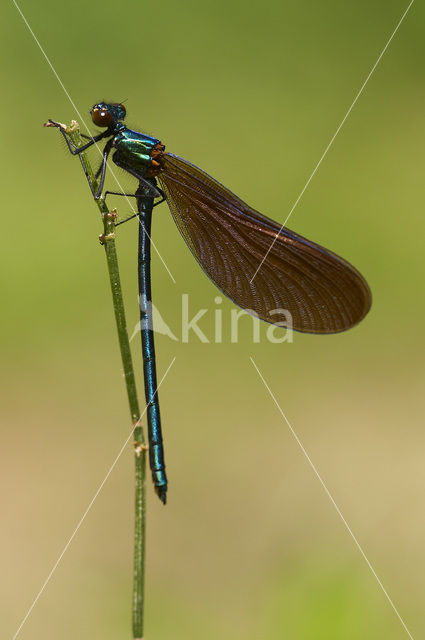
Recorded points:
(104, 114)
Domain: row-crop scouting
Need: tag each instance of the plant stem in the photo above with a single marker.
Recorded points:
(108, 240)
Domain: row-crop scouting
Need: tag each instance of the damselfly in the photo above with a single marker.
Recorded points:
(261, 266)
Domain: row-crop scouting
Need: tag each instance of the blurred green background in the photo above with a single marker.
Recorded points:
(249, 545)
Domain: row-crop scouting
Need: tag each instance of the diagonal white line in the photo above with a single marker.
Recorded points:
(333, 138)
(85, 124)
(156, 250)
(64, 550)
(319, 477)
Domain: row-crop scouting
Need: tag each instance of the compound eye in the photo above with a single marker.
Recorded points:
(123, 111)
(101, 117)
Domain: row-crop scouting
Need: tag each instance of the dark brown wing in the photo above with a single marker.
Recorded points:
(322, 292)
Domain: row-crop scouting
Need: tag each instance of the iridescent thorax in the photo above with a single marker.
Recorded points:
(137, 150)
